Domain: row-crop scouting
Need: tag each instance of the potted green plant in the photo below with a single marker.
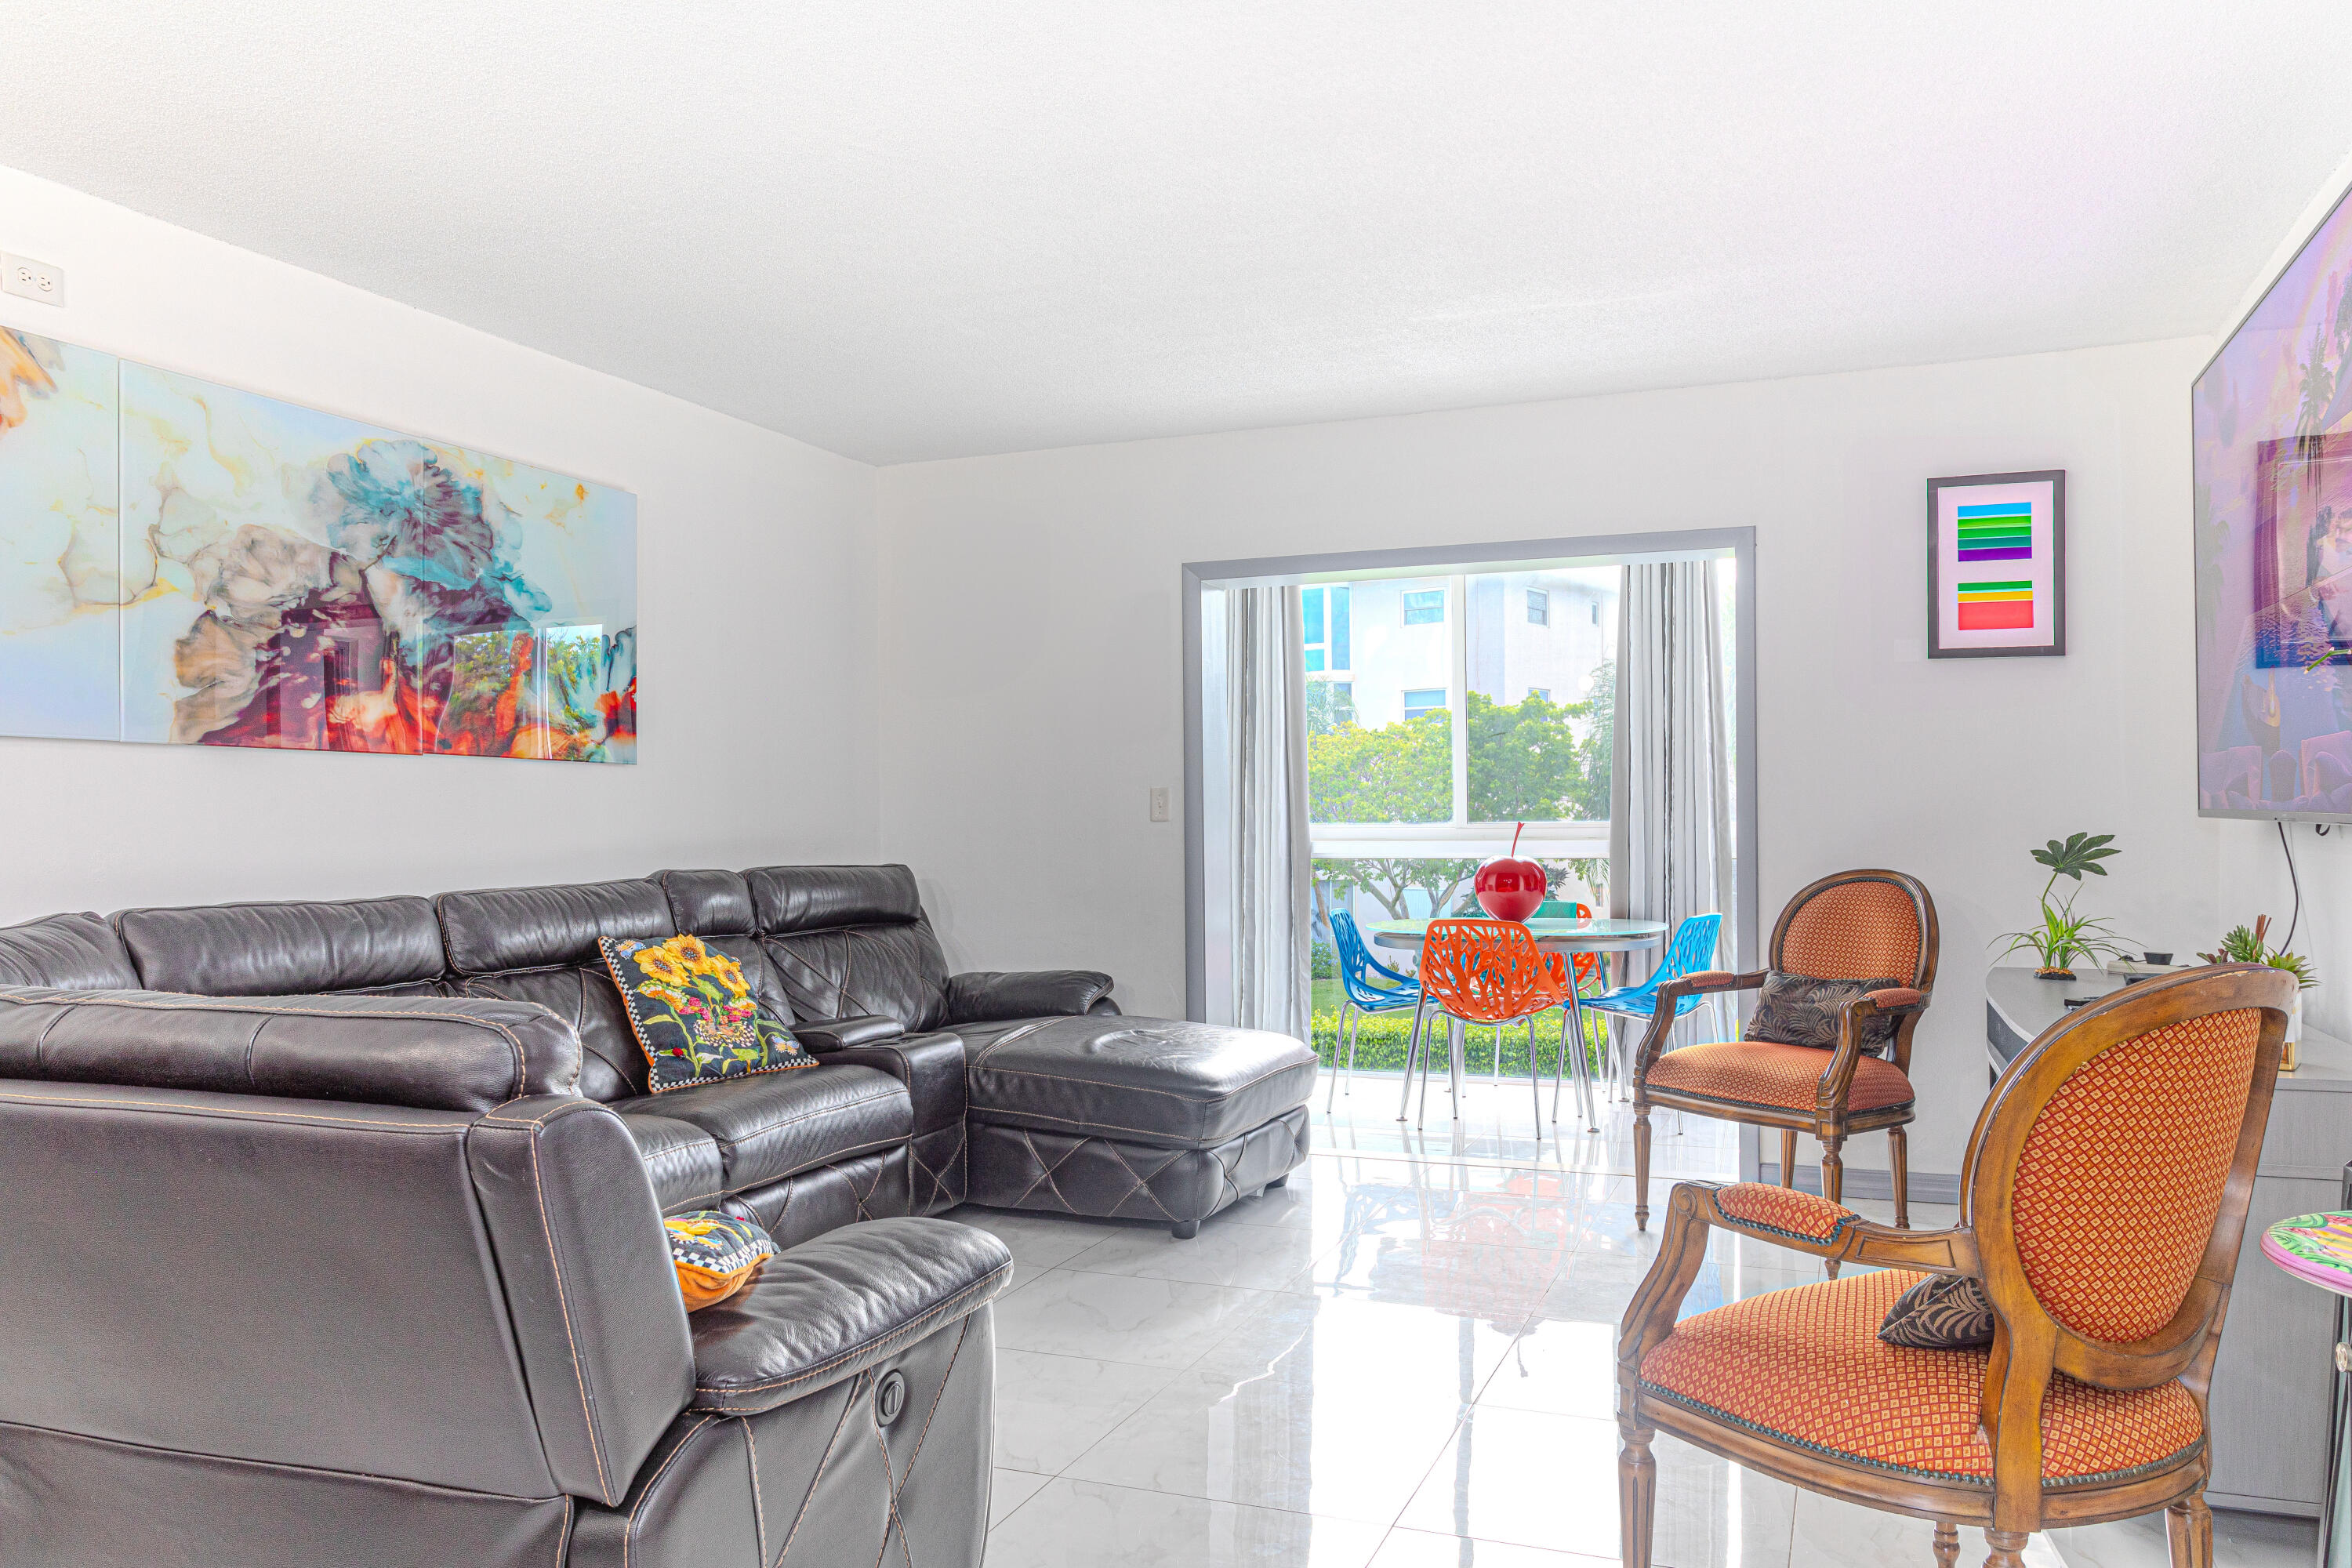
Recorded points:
(2240, 945)
(2063, 935)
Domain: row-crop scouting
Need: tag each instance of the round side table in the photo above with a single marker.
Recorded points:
(2316, 1248)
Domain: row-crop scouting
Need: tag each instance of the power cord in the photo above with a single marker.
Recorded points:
(2288, 945)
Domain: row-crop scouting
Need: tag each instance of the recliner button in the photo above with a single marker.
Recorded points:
(889, 1397)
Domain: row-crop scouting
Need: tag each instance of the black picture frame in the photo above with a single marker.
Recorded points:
(2056, 479)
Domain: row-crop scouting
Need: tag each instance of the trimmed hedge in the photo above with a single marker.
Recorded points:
(1381, 1039)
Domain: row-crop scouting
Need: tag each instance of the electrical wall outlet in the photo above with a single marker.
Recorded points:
(30, 279)
(1160, 803)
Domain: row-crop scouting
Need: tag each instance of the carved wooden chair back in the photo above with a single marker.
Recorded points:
(2106, 1184)
(1861, 925)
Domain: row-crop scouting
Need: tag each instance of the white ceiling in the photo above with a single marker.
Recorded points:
(918, 229)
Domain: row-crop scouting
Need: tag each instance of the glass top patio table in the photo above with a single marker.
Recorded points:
(1552, 936)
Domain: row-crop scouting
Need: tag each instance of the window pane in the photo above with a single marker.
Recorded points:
(1311, 602)
(1314, 660)
(1542, 698)
(1379, 744)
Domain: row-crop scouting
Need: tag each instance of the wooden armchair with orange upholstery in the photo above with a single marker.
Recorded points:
(2102, 1206)
(1857, 926)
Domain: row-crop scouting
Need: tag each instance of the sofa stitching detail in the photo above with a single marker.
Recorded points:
(758, 1510)
(251, 1042)
(994, 1277)
(563, 1300)
(897, 1526)
(1217, 1098)
(839, 1424)
(629, 1534)
(939, 1394)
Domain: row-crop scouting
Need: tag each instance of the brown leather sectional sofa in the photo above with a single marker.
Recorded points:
(335, 1228)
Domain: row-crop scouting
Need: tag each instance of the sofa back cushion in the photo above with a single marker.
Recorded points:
(429, 1053)
(72, 953)
(839, 941)
(388, 947)
(538, 944)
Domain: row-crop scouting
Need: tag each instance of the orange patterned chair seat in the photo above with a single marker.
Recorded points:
(1763, 1072)
(1804, 1366)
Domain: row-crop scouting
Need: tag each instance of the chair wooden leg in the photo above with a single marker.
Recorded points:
(1832, 1185)
(1640, 1165)
(1637, 1492)
(1788, 1159)
(1898, 1166)
(2007, 1548)
(1948, 1544)
(2188, 1531)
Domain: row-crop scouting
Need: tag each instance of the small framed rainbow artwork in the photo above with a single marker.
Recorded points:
(1996, 565)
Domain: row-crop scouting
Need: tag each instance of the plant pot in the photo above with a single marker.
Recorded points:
(2053, 974)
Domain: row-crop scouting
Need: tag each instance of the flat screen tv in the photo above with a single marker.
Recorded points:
(2273, 419)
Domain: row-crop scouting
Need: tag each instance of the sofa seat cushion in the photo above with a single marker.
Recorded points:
(681, 1161)
(1804, 1368)
(780, 1123)
(1158, 1081)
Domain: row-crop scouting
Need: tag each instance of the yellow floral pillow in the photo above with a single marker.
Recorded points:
(715, 1254)
(693, 1014)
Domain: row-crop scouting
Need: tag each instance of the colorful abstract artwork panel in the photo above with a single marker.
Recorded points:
(1996, 564)
(60, 580)
(254, 572)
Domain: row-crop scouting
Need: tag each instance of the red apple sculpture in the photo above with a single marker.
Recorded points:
(1509, 888)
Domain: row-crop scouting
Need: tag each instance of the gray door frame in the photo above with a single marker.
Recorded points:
(1606, 548)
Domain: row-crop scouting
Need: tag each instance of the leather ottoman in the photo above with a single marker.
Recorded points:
(1122, 1118)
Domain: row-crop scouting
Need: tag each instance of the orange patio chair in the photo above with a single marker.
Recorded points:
(2102, 1205)
(1488, 971)
(1854, 925)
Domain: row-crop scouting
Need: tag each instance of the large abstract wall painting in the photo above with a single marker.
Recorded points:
(185, 563)
(60, 569)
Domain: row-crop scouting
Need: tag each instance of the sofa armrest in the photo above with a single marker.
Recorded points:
(829, 1308)
(831, 1035)
(986, 996)
(931, 1065)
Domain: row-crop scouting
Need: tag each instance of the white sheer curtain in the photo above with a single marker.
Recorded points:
(1670, 791)
(1270, 868)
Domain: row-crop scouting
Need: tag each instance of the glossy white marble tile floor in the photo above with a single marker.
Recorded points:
(1403, 1360)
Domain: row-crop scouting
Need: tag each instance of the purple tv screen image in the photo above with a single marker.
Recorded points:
(2272, 415)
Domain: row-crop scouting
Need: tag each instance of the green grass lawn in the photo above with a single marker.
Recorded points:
(1382, 1038)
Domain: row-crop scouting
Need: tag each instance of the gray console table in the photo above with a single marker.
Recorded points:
(2269, 1408)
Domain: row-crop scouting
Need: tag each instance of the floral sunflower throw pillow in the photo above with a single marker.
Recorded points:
(693, 1014)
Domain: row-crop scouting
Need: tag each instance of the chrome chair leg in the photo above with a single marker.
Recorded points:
(1339, 1035)
(1572, 1025)
(1535, 1081)
(1421, 1120)
(1412, 1047)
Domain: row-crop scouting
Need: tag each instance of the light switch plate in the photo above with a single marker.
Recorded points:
(30, 279)
(1160, 803)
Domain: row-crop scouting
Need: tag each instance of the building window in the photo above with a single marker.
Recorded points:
(1425, 609)
(1428, 699)
(1538, 607)
(1542, 692)
(1324, 612)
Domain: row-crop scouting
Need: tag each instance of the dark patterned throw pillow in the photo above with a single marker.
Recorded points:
(1942, 1312)
(693, 1014)
(1799, 1010)
(715, 1254)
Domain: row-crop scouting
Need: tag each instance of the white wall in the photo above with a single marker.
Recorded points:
(755, 590)
(1033, 699)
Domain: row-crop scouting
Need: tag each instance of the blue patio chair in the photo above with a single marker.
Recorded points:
(1690, 952)
(1360, 995)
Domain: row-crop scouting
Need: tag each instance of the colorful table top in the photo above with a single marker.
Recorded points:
(2315, 1248)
